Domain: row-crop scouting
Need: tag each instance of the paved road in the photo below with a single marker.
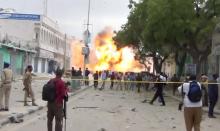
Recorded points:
(93, 110)
(17, 97)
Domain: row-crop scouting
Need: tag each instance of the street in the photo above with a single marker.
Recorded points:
(107, 110)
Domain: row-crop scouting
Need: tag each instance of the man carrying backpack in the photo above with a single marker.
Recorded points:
(55, 107)
(192, 102)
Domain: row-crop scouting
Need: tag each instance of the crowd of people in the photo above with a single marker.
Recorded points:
(195, 92)
(125, 81)
(206, 95)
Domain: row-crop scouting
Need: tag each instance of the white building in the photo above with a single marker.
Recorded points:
(40, 33)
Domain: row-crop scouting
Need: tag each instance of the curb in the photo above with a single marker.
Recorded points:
(19, 116)
(204, 108)
(31, 111)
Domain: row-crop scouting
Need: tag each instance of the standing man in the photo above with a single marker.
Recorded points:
(204, 80)
(174, 85)
(213, 94)
(192, 103)
(132, 81)
(55, 108)
(159, 91)
(27, 80)
(5, 87)
(139, 79)
(112, 78)
(79, 72)
(73, 72)
(104, 77)
(87, 72)
(96, 77)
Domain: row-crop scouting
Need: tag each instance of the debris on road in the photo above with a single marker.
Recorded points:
(102, 129)
(15, 119)
(133, 109)
(92, 107)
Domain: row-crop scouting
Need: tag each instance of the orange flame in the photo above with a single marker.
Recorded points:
(106, 56)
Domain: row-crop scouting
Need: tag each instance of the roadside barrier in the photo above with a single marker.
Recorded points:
(122, 81)
(142, 82)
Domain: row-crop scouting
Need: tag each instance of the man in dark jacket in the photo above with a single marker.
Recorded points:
(174, 85)
(87, 72)
(112, 78)
(213, 95)
(96, 77)
(159, 92)
(139, 79)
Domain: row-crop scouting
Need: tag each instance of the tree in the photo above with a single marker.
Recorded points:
(186, 25)
(173, 26)
(132, 33)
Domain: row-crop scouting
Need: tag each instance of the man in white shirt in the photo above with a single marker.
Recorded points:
(103, 77)
(192, 110)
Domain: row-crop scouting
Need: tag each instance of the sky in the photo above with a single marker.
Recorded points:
(71, 15)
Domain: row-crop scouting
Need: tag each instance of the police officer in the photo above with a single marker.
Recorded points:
(27, 80)
(5, 87)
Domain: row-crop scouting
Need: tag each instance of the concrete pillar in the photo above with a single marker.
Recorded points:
(39, 66)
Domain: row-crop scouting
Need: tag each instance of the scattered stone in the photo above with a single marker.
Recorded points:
(92, 107)
(81, 98)
(172, 118)
(102, 129)
(111, 111)
(123, 97)
(144, 101)
(133, 109)
(174, 127)
(15, 119)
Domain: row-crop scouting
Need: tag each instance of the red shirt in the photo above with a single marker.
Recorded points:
(61, 91)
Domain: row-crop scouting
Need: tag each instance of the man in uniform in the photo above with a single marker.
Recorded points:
(5, 87)
(27, 80)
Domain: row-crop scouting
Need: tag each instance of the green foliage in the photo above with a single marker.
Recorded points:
(169, 26)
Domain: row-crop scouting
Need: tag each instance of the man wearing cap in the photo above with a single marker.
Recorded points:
(5, 87)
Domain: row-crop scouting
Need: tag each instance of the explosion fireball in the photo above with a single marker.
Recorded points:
(106, 56)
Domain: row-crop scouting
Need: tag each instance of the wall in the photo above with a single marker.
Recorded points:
(18, 31)
(14, 57)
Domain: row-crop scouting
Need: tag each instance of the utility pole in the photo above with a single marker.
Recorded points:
(64, 57)
(86, 40)
(45, 7)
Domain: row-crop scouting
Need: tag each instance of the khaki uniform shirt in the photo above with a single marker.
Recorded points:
(27, 79)
(6, 77)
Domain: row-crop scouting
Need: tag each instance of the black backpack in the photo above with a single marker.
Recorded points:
(49, 91)
(195, 92)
